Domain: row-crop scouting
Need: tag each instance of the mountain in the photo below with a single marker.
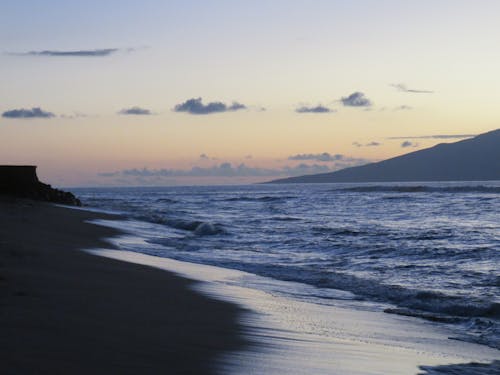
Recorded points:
(474, 159)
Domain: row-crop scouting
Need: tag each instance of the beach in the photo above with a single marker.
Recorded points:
(65, 311)
(75, 299)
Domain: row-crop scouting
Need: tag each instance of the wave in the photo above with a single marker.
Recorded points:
(424, 315)
(472, 368)
(266, 198)
(422, 189)
(336, 231)
(200, 228)
(166, 200)
(440, 303)
(414, 300)
(285, 218)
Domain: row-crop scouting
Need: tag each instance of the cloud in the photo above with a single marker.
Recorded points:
(437, 136)
(317, 109)
(135, 111)
(403, 88)
(325, 156)
(73, 116)
(75, 53)
(195, 106)
(356, 99)
(406, 144)
(35, 112)
(403, 108)
(220, 170)
(369, 144)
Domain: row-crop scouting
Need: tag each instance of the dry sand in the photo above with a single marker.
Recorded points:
(64, 311)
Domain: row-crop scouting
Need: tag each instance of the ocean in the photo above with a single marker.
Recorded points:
(425, 250)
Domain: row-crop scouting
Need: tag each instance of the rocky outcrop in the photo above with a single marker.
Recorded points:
(21, 181)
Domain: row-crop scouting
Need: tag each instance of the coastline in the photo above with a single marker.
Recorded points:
(298, 337)
(63, 310)
(106, 310)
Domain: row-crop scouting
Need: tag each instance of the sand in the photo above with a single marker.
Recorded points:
(64, 311)
(344, 337)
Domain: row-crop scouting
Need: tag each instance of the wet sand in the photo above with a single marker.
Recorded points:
(347, 337)
(64, 311)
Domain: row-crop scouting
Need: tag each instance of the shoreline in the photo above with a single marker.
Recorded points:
(298, 337)
(113, 324)
(63, 310)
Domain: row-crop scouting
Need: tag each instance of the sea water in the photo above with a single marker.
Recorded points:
(428, 250)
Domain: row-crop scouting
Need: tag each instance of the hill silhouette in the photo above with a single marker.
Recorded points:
(474, 159)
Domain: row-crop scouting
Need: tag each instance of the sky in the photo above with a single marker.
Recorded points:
(121, 93)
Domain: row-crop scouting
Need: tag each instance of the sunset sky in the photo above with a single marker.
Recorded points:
(108, 92)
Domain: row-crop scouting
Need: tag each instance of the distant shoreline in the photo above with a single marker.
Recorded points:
(473, 159)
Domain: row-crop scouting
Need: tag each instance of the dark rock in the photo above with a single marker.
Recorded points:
(21, 181)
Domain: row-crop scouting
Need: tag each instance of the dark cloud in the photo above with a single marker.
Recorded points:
(317, 109)
(402, 87)
(195, 106)
(35, 112)
(236, 106)
(437, 136)
(356, 99)
(135, 111)
(76, 53)
(406, 144)
(204, 156)
(325, 156)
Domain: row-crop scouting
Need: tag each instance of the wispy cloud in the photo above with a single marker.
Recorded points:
(73, 53)
(403, 88)
(221, 170)
(317, 109)
(369, 144)
(135, 111)
(356, 99)
(325, 156)
(436, 136)
(195, 106)
(74, 115)
(406, 144)
(22, 113)
(403, 108)
(206, 157)
(336, 161)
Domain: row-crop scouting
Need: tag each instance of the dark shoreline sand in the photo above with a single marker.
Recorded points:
(65, 311)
